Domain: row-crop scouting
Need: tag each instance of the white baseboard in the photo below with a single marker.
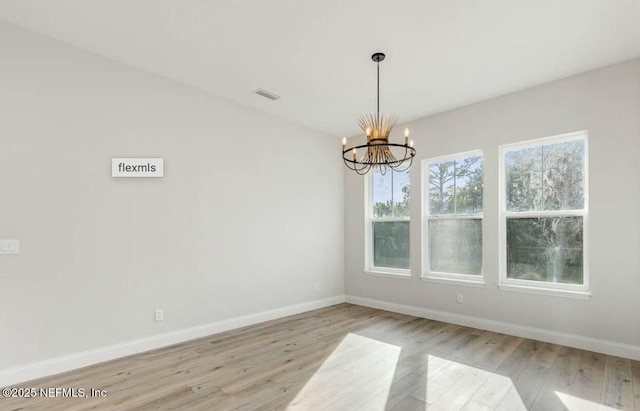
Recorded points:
(15, 375)
(570, 340)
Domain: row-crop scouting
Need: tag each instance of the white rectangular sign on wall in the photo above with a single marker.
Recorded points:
(137, 167)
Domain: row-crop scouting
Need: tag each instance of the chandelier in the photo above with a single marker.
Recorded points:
(378, 151)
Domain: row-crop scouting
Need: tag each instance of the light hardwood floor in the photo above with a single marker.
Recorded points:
(349, 357)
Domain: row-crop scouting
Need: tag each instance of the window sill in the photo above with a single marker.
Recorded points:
(397, 276)
(454, 281)
(580, 295)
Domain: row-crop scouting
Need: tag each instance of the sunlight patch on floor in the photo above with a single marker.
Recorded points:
(365, 374)
(358, 373)
(452, 385)
(572, 403)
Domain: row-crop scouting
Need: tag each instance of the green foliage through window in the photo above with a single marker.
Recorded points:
(545, 205)
(455, 186)
(391, 244)
(545, 249)
(549, 177)
(390, 196)
(455, 191)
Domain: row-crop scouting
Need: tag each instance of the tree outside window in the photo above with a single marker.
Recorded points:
(544, 209)
(453, 227)
(390, 195)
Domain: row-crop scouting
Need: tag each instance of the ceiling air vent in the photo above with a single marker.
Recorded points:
(267, 94)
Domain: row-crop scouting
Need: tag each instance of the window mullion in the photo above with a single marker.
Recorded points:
(550, 213)
(393, 203)
(456, 217)
(455, 175)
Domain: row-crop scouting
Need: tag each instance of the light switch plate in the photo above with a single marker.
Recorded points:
(9, 246)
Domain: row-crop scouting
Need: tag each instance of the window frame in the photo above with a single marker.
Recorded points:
(581, 291)
(471, 280)
(369, 220)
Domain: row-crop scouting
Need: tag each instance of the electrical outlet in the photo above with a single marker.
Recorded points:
(460, 298)
(159, 314)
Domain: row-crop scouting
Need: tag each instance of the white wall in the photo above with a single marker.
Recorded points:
(247, 218)
(605, 102)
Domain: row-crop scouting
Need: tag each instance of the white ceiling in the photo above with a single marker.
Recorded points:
(316, 53)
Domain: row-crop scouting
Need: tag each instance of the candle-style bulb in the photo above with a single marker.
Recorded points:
(411, 143)
(368, 131)
(406, 132)
(344, 143)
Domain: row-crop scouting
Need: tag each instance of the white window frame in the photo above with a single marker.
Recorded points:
(370, 268)
(581, 291)
(471, 280)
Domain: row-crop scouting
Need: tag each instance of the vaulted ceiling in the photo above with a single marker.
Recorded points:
(316, 54)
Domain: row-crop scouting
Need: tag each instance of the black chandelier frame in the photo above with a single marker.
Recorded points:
(363, 167)
(378, 150)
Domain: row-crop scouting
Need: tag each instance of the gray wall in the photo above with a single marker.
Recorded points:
(605, 102)
(247, 218)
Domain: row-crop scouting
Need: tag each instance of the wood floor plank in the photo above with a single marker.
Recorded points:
(461, 391)
(417, 350)
(402, 387)
(589, 379)
(511, 401)
(618, 390)
(483, 346)
(498, 354)
(635, 376)
(475, 406)
(349, 357)
(411, 404)
(491, 393)
(519, 358)
(559, 380)
(344, 376)
(535, 373)
(440, 381)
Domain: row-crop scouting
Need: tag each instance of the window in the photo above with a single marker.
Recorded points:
(388, 223)
(543, 215)
(452, 226)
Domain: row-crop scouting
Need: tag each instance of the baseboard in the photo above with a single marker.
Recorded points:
(570, 340)
(15, 375)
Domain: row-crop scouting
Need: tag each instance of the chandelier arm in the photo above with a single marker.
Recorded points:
(400, 170)
(363, 171)
(409, 159)
(348, 165)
